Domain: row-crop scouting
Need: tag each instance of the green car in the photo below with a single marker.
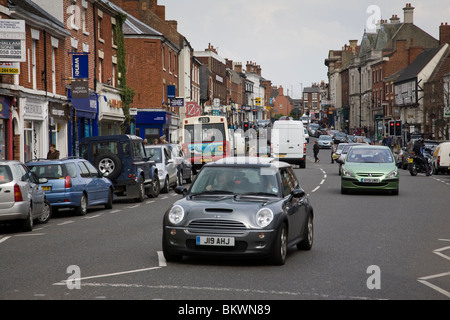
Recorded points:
(370, 168)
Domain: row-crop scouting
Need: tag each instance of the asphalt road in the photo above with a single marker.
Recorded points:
(366, 247)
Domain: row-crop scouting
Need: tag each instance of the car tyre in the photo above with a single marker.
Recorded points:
(109, 164)
(166, 185)
(189, 179)
(308, 235)
(141, 191)
(81, 210)
(109, 204)
(46, 213)
(167, 255)
(156, 188)
(280, 246)
(27, 224)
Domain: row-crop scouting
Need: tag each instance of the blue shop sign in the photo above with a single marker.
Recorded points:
(4, 107)
(86, 107)
(158, 117)
(80, 66)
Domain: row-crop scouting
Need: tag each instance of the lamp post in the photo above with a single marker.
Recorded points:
(360, 99)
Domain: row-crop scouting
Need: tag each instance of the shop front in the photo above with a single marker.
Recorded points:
(110, 111)
(58, 129)
(83, 121)
(152, 125)
(35, 129)
(5, 129)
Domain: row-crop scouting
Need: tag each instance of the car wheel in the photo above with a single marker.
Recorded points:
(165, 189)
(180, 178)
(27, 224)
(81, 210)
(167, 255)
(156, 188)
(343, 190)
(46, 213)
(109, 165)
(189, 179)
(141, 191)
(308, 235)
(109, 204)
(280, 246)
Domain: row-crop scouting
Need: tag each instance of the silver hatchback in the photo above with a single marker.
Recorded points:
(21, 196)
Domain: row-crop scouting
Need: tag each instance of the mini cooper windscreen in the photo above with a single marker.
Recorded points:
(232, 180)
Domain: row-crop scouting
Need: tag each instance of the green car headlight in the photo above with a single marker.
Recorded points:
(392, 174)
(347, 173)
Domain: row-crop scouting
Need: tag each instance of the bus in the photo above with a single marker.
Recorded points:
(205, 139)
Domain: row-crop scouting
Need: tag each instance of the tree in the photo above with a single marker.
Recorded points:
(126, 93)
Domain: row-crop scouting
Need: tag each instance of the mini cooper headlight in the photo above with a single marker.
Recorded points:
(176, 214)
(264, 217)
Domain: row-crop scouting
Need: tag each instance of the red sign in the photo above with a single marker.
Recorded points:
(193, 110)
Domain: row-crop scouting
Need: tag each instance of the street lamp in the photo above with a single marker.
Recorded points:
(360, 99)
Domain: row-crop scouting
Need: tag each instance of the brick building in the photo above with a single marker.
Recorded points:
(33, 112)
(437, 93)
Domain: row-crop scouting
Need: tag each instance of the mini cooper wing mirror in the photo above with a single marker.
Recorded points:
(298, 193)
(181, 190)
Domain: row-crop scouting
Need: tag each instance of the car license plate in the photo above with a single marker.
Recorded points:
(370, 180)
(47, 188)
(215, 241)
(410, 160)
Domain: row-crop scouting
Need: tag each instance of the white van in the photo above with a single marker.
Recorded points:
(441, 158)
(288, 142)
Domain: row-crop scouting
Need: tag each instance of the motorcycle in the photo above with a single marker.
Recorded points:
(416, 165)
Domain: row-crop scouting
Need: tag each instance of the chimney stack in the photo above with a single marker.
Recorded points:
(444, 33)
(395, 19)
(408, 12)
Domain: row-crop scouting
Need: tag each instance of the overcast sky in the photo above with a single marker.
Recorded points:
(290, 39)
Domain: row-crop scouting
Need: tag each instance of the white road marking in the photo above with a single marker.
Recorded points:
(438, 289)
(316, 189)
(133, 207)
(64, 282)
(161, 259)
(29, 234)
(230, 290)
(92, 217)
(66, 222)
(4, 239)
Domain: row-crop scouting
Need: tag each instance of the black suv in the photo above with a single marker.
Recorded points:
(122, 159)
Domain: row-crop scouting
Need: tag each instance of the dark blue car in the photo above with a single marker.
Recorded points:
(73, 183)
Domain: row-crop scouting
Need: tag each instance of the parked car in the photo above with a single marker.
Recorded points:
(122, 159)
(22, 199)
(324, 141)
(73, 183)
(183, 163)
(370, 168)
(167, 168)
(339, 137)
(240, 207)
(441, 158)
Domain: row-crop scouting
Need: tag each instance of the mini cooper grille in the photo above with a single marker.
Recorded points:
(217, 224)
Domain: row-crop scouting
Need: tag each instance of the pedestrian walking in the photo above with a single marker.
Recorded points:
(333, 150)
(316, 150)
